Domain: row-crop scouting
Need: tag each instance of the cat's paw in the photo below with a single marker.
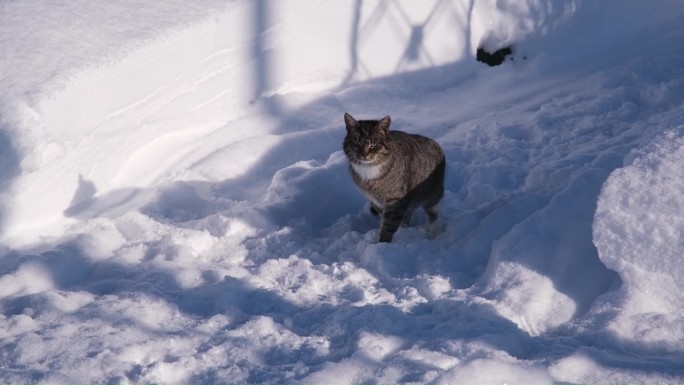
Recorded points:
(385, 237)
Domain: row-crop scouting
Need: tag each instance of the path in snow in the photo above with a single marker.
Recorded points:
(272, 274)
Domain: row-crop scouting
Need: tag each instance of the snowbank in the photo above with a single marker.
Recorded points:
(639, 232)
(176, 207)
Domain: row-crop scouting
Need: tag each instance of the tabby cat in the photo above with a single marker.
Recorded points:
(396, 171)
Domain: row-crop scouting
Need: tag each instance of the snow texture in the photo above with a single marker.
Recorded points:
(175, 206)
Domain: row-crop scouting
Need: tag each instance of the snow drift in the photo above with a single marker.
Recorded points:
(175, 205)
(199, 74)
(638, 232)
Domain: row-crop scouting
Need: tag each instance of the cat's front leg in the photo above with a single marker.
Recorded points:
(392, 217)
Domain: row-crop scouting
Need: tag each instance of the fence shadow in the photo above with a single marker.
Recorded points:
(9, 169)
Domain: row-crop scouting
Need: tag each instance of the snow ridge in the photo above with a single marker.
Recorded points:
(185, 214)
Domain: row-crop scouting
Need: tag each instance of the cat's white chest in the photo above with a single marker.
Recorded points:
(367, 171)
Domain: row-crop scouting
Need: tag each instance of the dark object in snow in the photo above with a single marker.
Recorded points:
(396, 171)
(493, 59)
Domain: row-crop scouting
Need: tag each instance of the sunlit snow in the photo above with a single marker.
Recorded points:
(175, 205)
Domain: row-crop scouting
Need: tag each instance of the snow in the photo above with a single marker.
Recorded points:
(637, 216)
(175, 206)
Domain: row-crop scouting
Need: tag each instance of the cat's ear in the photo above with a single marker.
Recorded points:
(350, 122)
(384, 124)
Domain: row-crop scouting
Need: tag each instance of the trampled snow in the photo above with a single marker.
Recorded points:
(175, 206)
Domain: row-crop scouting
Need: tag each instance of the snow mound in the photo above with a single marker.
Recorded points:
(175, 206)
(639, 232)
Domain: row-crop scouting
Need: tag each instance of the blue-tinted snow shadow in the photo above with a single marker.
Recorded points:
(86, 203)
(415, 50)
(310, 197)
(70, 268)
(9, 169)
(318, 195)
(432, 325)
(310, 210)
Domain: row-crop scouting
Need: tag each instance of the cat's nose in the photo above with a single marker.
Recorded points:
(365, 152)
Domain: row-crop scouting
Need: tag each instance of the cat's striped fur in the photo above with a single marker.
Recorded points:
(396, 171)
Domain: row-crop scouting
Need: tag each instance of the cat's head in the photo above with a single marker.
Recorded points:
(366, 140)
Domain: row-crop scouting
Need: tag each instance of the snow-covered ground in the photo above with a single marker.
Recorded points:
(175, 206)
